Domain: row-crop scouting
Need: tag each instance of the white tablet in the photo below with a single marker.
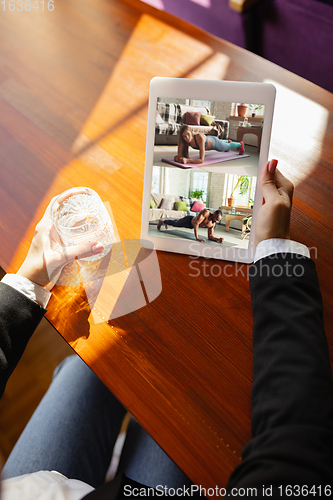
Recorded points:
(206, 144)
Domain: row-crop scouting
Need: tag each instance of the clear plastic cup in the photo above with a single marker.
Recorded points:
(80, 216)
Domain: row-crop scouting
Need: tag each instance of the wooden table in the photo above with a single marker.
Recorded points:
(73, 108)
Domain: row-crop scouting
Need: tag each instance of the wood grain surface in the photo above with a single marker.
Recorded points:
(73, 107)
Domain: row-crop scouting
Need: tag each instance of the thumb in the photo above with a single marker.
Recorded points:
(82, 251)
(267, 180)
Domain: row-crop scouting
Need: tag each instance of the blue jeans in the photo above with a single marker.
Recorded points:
(74, 429)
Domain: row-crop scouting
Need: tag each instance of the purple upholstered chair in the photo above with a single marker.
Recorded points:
(295, 34)
(298, 35)
(214, 16)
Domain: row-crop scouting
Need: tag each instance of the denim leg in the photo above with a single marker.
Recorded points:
(144, 461)
(73, 430)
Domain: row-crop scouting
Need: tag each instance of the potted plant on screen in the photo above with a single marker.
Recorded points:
(198, 194)
(241, 109)
(243, 183)
(254, 108)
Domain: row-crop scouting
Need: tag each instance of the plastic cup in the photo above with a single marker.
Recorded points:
(80, 216)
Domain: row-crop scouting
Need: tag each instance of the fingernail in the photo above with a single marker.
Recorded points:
(97, 248)
(272, 166)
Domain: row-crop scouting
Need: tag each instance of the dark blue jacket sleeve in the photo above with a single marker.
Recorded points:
(292, 393)
(19, 317)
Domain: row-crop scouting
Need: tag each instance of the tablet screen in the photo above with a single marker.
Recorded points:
(204, 174)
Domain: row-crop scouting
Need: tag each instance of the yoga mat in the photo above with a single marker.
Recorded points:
(210, 158)
(188, 236)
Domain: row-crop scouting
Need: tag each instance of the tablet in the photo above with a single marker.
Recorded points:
(206, 144)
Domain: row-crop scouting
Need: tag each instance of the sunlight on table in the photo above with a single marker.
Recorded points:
(118, 103)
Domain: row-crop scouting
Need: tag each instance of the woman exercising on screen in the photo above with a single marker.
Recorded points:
(203, 143)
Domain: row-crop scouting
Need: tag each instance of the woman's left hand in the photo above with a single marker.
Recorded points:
(183, 160)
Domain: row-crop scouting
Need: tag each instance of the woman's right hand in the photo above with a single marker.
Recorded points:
(180, 159)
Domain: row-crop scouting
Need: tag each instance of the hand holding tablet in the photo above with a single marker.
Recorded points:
(274, 214)
(189, 204)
